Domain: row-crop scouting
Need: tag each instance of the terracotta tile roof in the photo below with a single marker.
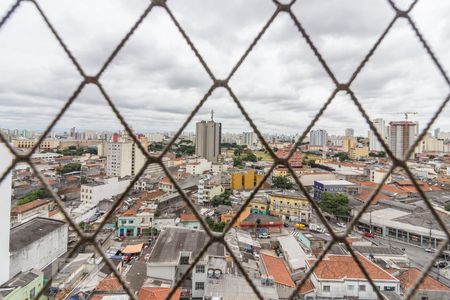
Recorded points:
(344, 266)
(29, 206)
(157, 293)
(188, 218)
(152, 195)
(275, 267)
(307, 287)
(165, 180)
(409, 277)
(365, 194)
(109, 283)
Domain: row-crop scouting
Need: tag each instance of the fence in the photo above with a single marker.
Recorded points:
(279, 8)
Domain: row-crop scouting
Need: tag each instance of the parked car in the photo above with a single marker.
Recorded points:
(341, 225)
(368, 234)
(429, 250)
(264, 235)
(441, 264)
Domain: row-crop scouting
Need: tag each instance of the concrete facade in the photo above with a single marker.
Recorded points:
(5, 208)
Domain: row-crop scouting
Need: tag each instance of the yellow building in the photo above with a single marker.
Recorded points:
(356, 153)
(245, 180)
(349, 144)
(259, 204)
(294, 207)
(47, 144)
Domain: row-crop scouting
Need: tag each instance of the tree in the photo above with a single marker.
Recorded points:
(33, 195)
(155, 147)
(222, 199)
(70, 167)
(282, 182)
(343, 156)
(215, 226)
(335, 204)
(250, 157)
(237, 162)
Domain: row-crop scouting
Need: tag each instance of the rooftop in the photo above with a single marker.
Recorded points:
(28, 206)
(31, 231)
(276, 268)
(334, 267)
(157, 293)
(409, 277)
(174, 240)
(335, 182)
(18, 281)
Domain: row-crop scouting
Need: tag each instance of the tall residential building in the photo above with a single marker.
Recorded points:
(249, 138)
(402, 135)
(207, 139)
(374, 143)
(318, 137)
(349, 132)
(123, 159)
(436, 132)
(5, 211)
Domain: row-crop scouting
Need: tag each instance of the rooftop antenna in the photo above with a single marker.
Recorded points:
(212, 115)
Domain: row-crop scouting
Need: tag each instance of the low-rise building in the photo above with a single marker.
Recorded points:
(23, 213)
(189, 221)
(290, 206)
(334, 187)
(339, 276)
(274, 269)
(429, 289)
(36, 243)
(93, 193)
(25, 285)
(173, 253)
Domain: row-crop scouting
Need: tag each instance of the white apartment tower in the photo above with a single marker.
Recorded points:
(374, 143)
(249, 138)
(318, 137)
(402, 135)
(123, 159)
(207, 139)
(5, 211)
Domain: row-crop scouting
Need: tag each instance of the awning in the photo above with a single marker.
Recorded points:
(133, 249)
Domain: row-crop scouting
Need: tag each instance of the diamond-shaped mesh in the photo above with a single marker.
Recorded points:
(279, 8)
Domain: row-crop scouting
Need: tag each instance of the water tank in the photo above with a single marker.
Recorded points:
(210, 273)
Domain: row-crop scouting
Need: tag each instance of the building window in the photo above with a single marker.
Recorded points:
(362, 288)
(326, 288)
(424, 298)
(184, 260)
(32, 293)
(200, 269)
(350, 287)
(389, 288)
(199, 286)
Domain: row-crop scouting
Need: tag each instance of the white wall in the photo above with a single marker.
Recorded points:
(41, 253)
(5, 210)
(112, 187)
(161, 272)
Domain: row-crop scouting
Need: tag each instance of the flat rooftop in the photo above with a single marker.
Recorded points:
(31, 231)
(174, 240)
(335, 182)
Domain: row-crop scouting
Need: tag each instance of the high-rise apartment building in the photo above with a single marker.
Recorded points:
(207, 139)
(123, 159)
(402, 135)
(374, 143)
(5, 211)
(349, 132)
(249, 138)
(318, 137)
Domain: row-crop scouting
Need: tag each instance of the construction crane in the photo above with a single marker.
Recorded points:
(406, 113)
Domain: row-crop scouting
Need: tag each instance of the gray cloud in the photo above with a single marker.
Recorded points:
(156, 80)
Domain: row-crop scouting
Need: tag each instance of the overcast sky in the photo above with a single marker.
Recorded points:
(156, 80)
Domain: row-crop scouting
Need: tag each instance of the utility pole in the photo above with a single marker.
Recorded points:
(430, 223)
(370, 221)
